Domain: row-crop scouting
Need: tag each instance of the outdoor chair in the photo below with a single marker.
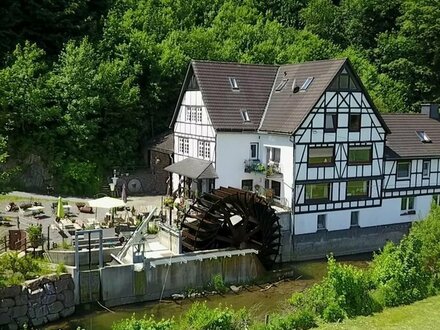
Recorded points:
(86, 209)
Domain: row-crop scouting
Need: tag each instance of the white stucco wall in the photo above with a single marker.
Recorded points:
(388, 213)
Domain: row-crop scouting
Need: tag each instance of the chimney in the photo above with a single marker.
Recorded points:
(431, 110)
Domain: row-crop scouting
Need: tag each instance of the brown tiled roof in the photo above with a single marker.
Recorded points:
(224, 104)
(286, 110)
(403, 141)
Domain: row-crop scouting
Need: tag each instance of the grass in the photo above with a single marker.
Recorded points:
(421, 315)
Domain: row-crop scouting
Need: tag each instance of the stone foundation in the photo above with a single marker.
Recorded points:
(39, 301)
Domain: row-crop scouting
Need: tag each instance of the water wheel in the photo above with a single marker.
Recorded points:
(230, 217)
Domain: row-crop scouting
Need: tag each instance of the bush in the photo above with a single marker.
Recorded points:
(399, 275)
(201, 317)
(218, 284)
(15, 270)
(143, 324)
(333, 313)
(300, 320)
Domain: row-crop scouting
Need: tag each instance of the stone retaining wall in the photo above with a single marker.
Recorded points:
(39, 301)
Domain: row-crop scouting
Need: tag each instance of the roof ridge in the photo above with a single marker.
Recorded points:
(343, 59)
(236, 63)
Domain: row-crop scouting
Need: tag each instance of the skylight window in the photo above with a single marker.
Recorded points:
(245, 115)
(306, 83)
(423, 136)
(234, 83)
(281, 85)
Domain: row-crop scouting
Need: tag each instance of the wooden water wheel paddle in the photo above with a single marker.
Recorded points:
(230, 217)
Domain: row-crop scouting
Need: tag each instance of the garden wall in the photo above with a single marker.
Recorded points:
(38, 302)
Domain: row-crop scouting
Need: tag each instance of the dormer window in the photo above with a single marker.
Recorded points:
(423, 136)
(281, 85)
(245, 115)
(234, 83)
(306, 83)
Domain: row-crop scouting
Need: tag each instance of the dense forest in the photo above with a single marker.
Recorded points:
(84, 84)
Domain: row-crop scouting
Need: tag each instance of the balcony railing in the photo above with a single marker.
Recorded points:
(254, 165)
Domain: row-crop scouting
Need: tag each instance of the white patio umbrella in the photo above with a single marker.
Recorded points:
(106, 203)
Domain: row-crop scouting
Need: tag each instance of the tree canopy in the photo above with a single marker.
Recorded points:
(83, 84)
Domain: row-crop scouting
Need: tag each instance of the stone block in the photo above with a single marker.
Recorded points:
(36, 322)
(41, 311)
(19, 311)
(60, 296)
(49, 288)
(48, 299)
(3, 309)
(53, 317)
(62, 285)
(12, 326)
(65, 276)
(33, 285)
(22, 321)
(10, 292)
(35, 294)
(71, 285)
(21, 299)
(56, 307)
(67, 311)
(69, 299)
(31, 312)
(7, 302)
(5, 318)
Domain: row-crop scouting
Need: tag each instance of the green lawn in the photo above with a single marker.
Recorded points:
(423, 314)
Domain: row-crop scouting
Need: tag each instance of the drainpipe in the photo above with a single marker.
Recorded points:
(292, 223)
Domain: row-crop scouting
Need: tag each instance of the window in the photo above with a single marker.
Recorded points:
(423, 137)
(281, 85)
(317, 191)
(234, 83)
(245, 115)
(204, 150)
(407, 206)
(426, 168)
(354, 219)
(276, 187)
(184, 146)
(193, 114)
(322, 221)
(359, 155)
(331, 122)
(306, 83)
(254, 150)
(321, 156)
(354, 123)
(357, 188)
(247, 185)
(403, 170)
(273, 155)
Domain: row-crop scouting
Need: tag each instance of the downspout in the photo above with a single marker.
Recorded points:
(292, 221)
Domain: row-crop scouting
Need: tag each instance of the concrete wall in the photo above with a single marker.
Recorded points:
(345, 242)
(147, 284)
(39, 301)
(67, 257)
(170, 238)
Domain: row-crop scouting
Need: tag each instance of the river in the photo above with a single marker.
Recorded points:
(258, 299)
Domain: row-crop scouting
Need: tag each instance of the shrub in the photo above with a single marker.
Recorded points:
(35, 235)
(15, 270)
(60, 268)
(300, 320)
(333, 313)
(143, 324)
(218, 284)
(200, 317)
(399, 274)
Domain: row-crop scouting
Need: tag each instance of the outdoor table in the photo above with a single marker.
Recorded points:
(36, 209)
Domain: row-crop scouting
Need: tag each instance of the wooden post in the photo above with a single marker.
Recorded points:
(48, 238)
(266, 319)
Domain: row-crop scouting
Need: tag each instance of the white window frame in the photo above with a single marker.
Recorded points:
(188, 114)
(199, 114)
(323, 225)
(257, 151)
(183, 146)
(397, 170)
(270, 153)
(426, 174)
(203, 149)
(406, 201)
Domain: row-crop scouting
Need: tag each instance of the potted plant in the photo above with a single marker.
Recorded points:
(35, 235)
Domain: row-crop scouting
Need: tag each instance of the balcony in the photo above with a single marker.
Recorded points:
(273, 169)
(254, 165)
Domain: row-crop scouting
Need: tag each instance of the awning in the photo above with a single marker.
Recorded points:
(193, 168)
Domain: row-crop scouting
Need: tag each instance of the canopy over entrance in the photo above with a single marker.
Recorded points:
(106, 202)
(193, 168)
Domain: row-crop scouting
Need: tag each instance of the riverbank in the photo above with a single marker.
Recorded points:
(258, 299)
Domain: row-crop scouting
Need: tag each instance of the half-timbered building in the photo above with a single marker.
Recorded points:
(309, 137)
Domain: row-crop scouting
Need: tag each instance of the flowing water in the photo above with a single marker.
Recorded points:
(259, 299)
